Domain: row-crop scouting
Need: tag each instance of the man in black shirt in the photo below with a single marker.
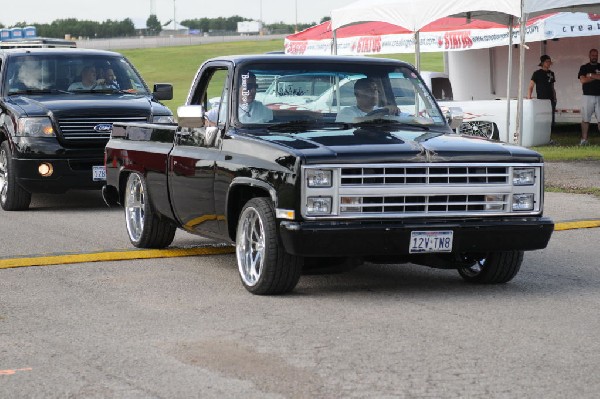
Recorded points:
(589, 76)
(543, 79)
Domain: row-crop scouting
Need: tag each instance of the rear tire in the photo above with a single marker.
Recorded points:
(145, 228)
(265, 268)
(493, 268)
(12, 196)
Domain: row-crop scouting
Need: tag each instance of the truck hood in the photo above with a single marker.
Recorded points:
(83, 104)
(373, 144)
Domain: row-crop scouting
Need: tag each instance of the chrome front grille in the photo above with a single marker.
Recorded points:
(422, 204)
(92, 128)
(413, 190)
(373, 176)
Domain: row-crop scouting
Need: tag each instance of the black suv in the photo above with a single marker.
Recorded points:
(55, 121)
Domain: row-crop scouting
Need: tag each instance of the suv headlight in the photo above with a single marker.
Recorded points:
(35, 127)
(523, 176)
(163, 119)
(318, 178)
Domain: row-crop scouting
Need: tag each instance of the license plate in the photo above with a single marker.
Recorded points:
(430, 241)
(98, 173)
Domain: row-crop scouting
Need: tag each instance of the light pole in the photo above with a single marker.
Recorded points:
(296, 25)
(174, 23)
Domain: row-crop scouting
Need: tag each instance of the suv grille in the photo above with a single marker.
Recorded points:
(83, 128)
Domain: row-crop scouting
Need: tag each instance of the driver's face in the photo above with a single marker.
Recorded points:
(366, 98)
(248, 90)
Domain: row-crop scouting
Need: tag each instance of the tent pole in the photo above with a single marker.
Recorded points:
(417, 52)
(518, 135)
(509, 74)
(334, 43)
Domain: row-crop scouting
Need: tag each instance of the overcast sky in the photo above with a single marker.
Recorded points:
(45, 11)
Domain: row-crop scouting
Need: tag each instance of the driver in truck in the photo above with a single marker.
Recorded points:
(367, 97)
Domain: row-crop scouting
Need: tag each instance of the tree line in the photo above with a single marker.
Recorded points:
(109, 28)
(81, 28)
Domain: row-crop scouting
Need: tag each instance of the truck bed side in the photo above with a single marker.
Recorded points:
(142, 148)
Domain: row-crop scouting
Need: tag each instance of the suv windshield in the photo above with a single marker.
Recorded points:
(276, 94)
(77, 73)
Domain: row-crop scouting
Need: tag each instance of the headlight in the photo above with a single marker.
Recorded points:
(522, 202)
(163, 119)
(318, 178)
(318, 205)
(35, 127)
(523, 176)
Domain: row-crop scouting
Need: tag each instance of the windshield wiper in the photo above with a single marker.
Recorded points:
(99, 91)
(293, 126)
(375, 122)
(35, 91)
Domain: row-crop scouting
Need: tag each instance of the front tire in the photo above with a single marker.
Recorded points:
(265, 268)
(145, 228)
(493, 268)
(12, 196)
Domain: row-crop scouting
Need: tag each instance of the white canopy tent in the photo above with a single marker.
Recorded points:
(415, 14)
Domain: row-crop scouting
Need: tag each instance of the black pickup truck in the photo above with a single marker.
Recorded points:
(292, 166)
(53, 129)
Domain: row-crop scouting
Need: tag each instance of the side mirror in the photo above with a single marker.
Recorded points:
(190, 116)
(163, 91)
(454, 116)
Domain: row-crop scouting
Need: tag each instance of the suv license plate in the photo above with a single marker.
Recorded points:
(98, 173)
(430, 241)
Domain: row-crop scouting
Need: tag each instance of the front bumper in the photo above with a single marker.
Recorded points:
(72, 166)
(68, 174)
(392, 238)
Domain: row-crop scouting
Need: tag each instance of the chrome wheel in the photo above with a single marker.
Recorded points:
(135, 198)
(478, 128)
(250, 246)
(475, 269)
(3, 175)
(12, 196)
(264, 265)
(491, 268)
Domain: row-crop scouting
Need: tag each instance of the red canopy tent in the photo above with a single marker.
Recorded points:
(368, 37)
(445, 34)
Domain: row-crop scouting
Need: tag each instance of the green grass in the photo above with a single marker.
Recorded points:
(178, 65)
(564, 144)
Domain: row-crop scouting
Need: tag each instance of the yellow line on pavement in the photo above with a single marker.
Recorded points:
(112, 256)
(578, 224)
(177, 252)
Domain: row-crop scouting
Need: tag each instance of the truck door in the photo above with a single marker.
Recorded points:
(193, 158)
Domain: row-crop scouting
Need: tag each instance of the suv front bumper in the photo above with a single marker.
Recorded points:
(67, 174)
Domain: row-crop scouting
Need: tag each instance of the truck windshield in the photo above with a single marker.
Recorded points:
(333, 93)
(77, 73)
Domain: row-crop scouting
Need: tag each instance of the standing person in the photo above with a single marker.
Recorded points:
(543, 79)
(589, 76)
